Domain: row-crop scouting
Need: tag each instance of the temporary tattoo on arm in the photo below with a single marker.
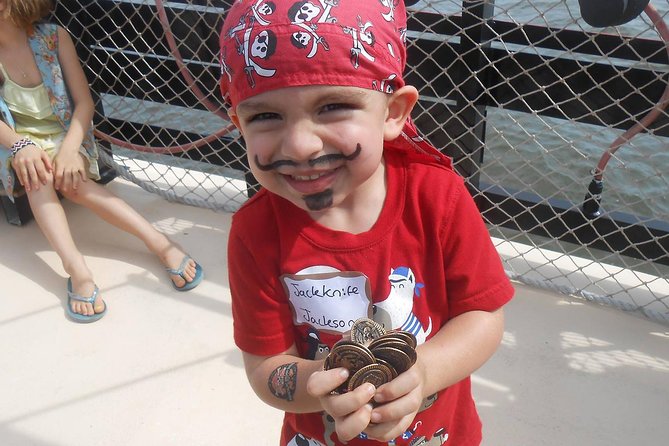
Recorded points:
(283, 381)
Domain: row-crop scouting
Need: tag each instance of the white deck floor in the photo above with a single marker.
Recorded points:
(161, 368)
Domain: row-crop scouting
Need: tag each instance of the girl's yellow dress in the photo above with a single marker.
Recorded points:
(34, 118)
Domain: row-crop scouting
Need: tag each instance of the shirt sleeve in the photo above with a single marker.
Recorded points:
(262, 318)
(475, 277)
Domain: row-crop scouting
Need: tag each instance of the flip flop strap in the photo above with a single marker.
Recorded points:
(180, 271)
(90, 300)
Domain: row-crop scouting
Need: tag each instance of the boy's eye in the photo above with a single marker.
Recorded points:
(336, 106)
(263, 117)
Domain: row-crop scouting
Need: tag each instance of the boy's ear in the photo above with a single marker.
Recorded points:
(234, 118)
(400, 105)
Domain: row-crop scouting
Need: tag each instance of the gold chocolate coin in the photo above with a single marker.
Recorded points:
(406, 336)
(365, 330)
(349, 355)
(399, 360)
(372, 354)
(377, 374)
(390, 367)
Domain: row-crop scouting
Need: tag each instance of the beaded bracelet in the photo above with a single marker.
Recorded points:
(20, 144)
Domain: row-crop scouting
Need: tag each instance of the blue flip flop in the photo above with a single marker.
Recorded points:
(82, 318)
(199, 274)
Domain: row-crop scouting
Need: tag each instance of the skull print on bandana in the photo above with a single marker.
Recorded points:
(272, 44)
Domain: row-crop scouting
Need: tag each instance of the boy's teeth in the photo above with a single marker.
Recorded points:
(307, 177)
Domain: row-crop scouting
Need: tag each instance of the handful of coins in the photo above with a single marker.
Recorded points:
(372, 355)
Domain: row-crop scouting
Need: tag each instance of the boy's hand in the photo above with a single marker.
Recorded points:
(32, 167)
(68, 171)
(398, 402)
(351, 411)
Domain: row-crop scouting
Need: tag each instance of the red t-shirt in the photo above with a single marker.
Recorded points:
(426, 260)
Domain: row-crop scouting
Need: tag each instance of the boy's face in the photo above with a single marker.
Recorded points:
(316, 146)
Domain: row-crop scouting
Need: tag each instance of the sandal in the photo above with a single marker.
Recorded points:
(199, 274)
(71, 295)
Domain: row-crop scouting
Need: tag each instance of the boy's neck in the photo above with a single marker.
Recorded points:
(360, 210)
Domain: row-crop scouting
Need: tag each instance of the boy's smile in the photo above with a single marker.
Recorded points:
(323, 198)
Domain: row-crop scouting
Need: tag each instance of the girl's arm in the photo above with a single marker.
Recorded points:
(7, 135)
(77, 86)
(69, 167)
(31, 164)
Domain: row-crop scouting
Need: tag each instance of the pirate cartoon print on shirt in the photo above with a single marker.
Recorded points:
(316, 348)
(301, 440)
(306, 15)
(256, 48)
(437, 439)
(363, 37)
(396, 311)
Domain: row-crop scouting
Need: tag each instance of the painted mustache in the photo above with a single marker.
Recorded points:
(325, 159)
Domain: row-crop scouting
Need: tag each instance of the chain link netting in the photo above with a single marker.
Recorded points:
(155, 66)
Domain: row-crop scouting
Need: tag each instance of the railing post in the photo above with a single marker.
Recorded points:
(475, 40)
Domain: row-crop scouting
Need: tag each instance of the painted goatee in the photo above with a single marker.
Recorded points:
(319, 201)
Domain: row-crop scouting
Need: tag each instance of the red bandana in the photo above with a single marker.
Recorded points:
(271, 44)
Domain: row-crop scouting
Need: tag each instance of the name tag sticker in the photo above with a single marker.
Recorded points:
(329, 302)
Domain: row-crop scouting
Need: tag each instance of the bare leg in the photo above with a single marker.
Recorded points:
(50, 217)
(120, 214)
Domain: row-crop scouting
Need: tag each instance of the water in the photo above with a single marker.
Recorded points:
(553, 157)
(550, 157)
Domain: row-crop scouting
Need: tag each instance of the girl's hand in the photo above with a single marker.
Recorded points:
(32, 166)
(398, 402)
(351, 411)
(68, 171)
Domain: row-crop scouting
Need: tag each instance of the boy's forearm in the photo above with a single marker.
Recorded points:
(459, 348)
(280, 381)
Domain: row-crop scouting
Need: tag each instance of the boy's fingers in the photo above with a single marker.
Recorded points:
(350, 426)
(349, 402)
(404, 384)
(322, 383)
(396, 409)
(390, 430)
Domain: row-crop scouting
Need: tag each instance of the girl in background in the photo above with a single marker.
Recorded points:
(46, 139)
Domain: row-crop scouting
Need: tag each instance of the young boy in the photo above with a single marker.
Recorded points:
(358, 217)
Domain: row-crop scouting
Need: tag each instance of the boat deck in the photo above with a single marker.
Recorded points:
(161, 368)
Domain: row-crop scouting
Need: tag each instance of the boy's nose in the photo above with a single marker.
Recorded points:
(301, 142)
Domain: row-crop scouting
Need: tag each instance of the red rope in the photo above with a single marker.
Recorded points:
(651, 116)
(162, 14)
(160, 149)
